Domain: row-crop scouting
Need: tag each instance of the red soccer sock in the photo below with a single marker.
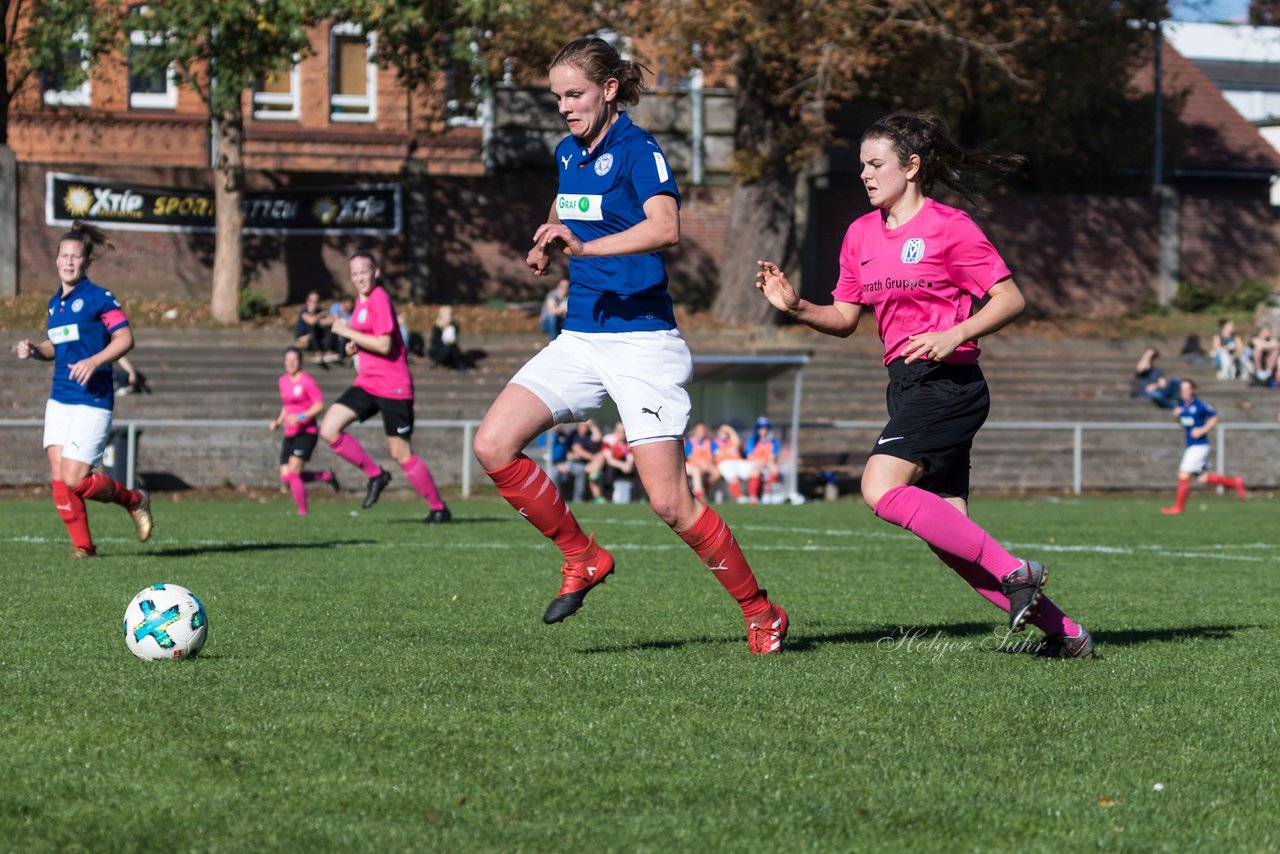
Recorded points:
(71, 508)
(711, 538)
(297, 488)
(1184, 490)
(528, 489)
(1236, 483)
(353, 452)
(420, 476)
(99, 487)
(944, 527)
(753, 486)
(735, 488)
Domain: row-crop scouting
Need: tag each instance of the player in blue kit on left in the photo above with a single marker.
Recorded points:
(87, 332)
(617, 210)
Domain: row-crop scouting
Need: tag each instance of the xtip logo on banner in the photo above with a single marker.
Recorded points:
(102, 202)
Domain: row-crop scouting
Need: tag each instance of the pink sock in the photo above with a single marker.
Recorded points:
(311, 476)
(353, 452)
(944, 527)
(420, 476)
(294, 481)
(1047, 616)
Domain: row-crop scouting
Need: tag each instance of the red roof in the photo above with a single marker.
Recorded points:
(1216, 137)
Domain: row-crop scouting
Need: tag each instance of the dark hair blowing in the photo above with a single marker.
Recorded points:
(942, 160)
(598, 61)
(89, 237)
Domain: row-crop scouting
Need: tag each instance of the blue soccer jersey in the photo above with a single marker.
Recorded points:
(603, 192)
(1195, 414)
(80, 326)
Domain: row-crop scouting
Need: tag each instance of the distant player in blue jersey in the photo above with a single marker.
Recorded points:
(617, 210)
(1198, 420)
(88, 331)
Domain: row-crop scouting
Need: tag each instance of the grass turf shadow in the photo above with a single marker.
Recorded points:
(237, 548)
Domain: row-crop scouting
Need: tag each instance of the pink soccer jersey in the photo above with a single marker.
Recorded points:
(381, 376)
(922, 276)
(298, 396)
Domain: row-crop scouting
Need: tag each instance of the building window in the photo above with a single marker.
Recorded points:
(149, 88)
(275, 97)
(352, 74)
(465, 91)
(54, 87)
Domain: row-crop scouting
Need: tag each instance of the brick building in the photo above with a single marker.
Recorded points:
(338, 121)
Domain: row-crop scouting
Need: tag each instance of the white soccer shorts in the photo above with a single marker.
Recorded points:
(80, 429)
(737, 469)
(645, 373)
(1195, 459)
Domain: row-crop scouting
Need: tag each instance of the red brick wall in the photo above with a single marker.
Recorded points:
(1227, 238)
(1095, 256)
(1072, 255)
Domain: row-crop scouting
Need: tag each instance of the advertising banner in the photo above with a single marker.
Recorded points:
(368, 209)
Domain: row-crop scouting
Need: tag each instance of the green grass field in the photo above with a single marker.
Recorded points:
(371, 683)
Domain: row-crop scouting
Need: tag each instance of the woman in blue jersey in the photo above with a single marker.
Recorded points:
(616, 211)
(87, 332)
(1198, 420)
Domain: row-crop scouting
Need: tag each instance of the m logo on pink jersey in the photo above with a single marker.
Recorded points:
(913, 251)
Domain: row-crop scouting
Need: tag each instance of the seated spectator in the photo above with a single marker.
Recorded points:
(554, 307)
(334, 344)
(1228, 352)
(1264, 351)
(619, 467)
(585, 461)
(310, 328)
(762, 452)
(443, 349)
(1192, 351)
(700, 462)
(1151, 383)
(561, 476)
(127, 379)
(731, 462)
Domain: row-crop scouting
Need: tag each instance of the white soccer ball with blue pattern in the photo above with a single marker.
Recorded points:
(165, 621)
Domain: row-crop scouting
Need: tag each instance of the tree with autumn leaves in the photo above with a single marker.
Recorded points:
(57, 39)
(1048, 79)
(218, 50)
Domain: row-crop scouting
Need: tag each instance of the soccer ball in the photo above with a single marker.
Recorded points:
(165, 621)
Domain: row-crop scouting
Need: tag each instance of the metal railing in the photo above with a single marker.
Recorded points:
(467, 461)
(1078, 429)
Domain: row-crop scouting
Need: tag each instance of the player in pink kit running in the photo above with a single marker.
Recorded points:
(383, 384)
(300, 402)
(922, 268)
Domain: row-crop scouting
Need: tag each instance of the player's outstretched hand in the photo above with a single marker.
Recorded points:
(773, 283)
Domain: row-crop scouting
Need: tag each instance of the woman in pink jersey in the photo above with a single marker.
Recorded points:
(383, 384)
(300, 403)
(935, 285)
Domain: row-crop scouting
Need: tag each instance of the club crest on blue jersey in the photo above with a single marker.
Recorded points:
(913, 251)
(77, 305)
(603, 164)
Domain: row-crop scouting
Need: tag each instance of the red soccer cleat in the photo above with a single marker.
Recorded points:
(766, 630)
(582, 572)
